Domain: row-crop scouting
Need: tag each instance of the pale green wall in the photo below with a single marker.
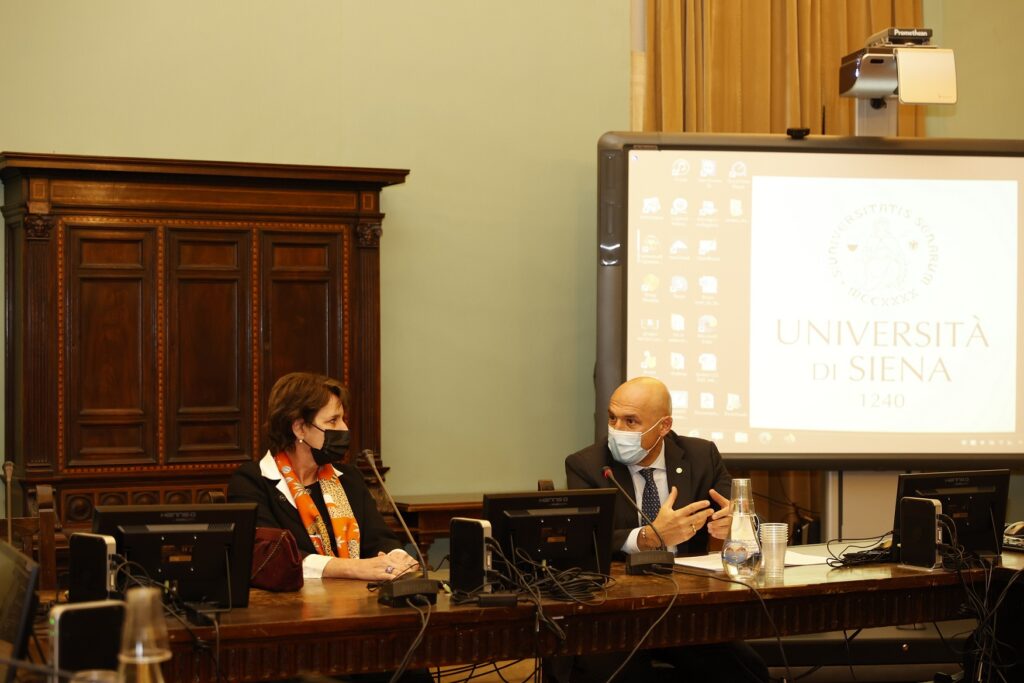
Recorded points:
(985, 37)
(488, 250)
(487, 259)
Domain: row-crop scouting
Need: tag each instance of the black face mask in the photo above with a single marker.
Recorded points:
(334, 448)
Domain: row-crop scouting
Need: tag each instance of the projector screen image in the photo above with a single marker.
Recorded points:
(853, 297)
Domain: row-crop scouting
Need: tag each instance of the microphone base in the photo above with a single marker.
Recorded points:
(399, 592)
(650, 561)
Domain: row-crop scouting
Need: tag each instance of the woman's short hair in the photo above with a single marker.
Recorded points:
(299, 395)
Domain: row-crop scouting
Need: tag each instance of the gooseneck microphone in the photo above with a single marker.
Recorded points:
(397, 592)
(645, 560)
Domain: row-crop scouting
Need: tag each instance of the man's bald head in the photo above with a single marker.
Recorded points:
(647, 392)
(642, 405)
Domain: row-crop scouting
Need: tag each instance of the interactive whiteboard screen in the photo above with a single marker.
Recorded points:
(855, 298)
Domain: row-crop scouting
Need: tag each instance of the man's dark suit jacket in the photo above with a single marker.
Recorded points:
(274, 509)
(694, 466)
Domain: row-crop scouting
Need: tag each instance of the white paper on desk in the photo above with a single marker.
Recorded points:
(713, 561)
(795, 559)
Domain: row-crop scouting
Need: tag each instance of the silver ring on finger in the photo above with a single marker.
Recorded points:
(389, 570)
(693, 528)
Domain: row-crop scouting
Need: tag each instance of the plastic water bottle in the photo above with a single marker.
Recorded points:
(741, 553)
(144, 643)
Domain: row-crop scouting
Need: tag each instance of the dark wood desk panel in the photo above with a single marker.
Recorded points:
(428, 515)
(335, 627)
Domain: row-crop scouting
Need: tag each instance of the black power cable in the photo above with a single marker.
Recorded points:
(757, 594)
(657, 621)
(424, 622)
(125, 578)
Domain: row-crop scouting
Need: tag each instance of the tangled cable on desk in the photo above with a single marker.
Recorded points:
(871, 552)
(991, 657)
(129, 574)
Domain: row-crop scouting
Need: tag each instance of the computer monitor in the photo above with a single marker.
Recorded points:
(975, 500)
(203, 552)
(565, 529)
(19, 576)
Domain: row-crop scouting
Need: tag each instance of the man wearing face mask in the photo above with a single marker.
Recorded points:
(303, 485)
(682, 485)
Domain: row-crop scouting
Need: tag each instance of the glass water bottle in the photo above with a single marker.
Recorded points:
(741, 552)
(144, 643)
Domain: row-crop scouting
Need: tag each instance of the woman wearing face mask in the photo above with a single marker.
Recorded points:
(302, 485)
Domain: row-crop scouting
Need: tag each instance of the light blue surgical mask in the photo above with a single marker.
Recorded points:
(625, 446)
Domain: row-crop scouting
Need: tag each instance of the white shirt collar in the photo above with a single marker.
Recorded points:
(268, 470)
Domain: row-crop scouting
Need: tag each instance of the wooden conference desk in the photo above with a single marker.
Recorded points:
(336, 626)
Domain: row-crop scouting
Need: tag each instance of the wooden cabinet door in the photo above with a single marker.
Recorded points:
(110, 355)
(209, 346)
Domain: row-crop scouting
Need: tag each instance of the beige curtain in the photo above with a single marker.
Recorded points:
(756, 66)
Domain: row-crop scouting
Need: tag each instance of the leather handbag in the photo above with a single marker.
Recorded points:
(276, 561)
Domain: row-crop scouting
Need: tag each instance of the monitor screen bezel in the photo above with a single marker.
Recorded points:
(27, 570)
(108, 518)
(612, 259)
(495, 505)
(999, 478)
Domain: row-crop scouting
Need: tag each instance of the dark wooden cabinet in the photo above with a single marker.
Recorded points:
(151, 304)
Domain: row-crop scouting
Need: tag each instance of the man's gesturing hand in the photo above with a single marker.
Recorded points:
(721, 520)
(679, 526)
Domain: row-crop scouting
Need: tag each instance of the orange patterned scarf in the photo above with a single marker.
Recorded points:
(343, 522)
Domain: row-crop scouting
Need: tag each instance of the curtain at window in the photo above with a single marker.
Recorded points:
(755, 66)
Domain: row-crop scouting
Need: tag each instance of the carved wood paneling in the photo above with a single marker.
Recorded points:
(79, 503)
(367, 344)
(151, 304)
(37, 351)
(209, 392)
(110, 354)
(304, 317)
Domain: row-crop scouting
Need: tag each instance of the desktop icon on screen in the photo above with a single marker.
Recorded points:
(650, 245)
(679, 206)
(708, 362)
(708, 284)
(678, 247)
(677, 322)
(677, 361)
(678, 284)
(707, 247)
(707, 400)
(707, 208)
(651, 205)
(680, 399)
(680, 167)
(708, 168)
(707, 323)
